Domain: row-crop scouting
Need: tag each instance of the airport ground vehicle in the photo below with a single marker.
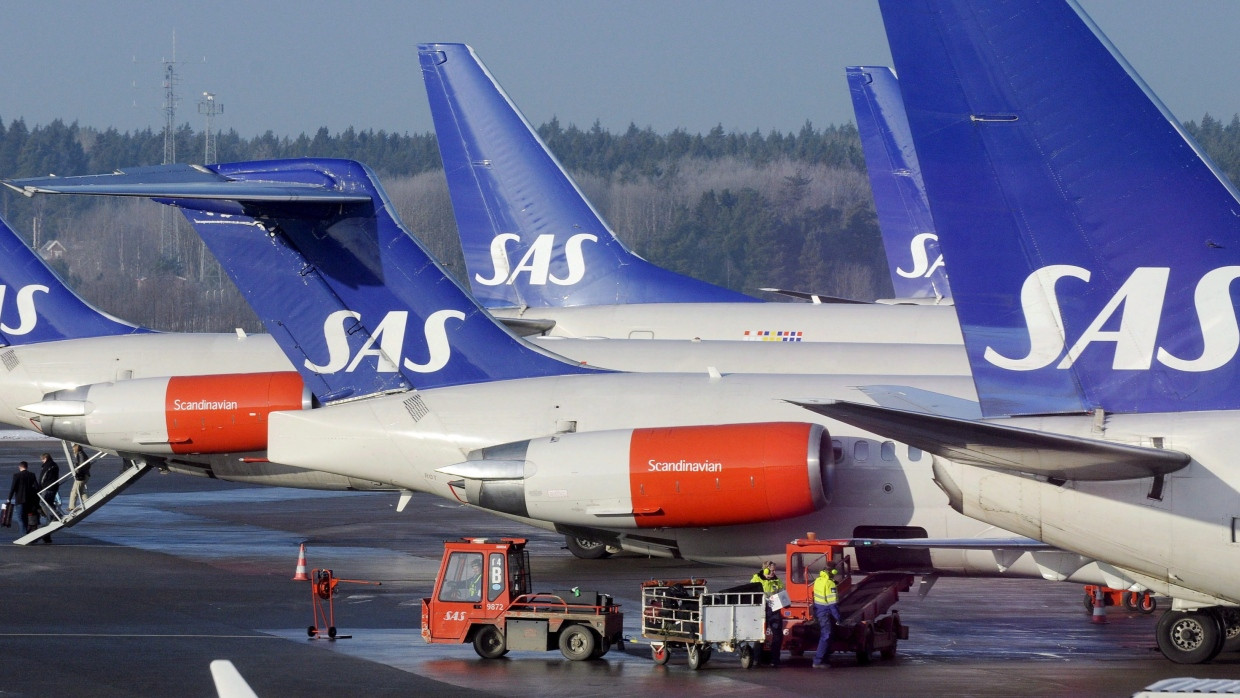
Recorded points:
(1142, 601)
(868, 622)
(482, 595)
(686, 615)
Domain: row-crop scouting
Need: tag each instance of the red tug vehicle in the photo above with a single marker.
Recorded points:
(482, 596)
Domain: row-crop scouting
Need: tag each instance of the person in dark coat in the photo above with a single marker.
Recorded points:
(25, 494)
(49, 485)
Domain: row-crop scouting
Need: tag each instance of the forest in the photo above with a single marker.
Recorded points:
(742, 210)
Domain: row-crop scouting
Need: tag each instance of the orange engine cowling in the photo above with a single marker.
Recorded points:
(171, 415)
(714, 475)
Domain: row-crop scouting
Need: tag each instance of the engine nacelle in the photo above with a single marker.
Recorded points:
(715, 475)
(175, 415)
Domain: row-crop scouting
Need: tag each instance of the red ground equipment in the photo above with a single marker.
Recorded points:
(482, 596)
(323, 588)
(1142, 601)
(868, 623)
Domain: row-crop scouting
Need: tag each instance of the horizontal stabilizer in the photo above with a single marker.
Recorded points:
(1001, 447)
(526, 327)
(185, 182)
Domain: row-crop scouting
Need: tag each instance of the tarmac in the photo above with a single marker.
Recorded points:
(139, 598)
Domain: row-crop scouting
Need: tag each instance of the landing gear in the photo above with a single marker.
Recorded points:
(1190, 637)
(586, 548)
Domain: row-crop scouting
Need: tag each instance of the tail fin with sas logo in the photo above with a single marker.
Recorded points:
(530, 236)
(358, 305)
(37, 306)
(1093, 246)
(909, 237)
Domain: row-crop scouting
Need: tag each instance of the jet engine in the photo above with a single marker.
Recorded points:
(715, 475)
(175, 415)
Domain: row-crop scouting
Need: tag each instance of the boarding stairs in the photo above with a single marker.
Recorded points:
(131, 470)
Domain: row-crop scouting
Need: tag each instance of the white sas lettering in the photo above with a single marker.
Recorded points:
(537, 260)
(389, 335)
(921, 257)
(1139, 303)
(27, 317)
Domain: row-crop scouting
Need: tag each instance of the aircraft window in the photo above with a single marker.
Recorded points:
(861, 451)
(495, 576)
(463, 580)
(837, 450)
(888, 450)
(914, 454)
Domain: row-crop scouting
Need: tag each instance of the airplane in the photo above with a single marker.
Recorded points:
(514, 201)
(1093, 246)
(909, 236)
(446, 400)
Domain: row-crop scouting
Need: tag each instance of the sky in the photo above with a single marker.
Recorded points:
(292, 67)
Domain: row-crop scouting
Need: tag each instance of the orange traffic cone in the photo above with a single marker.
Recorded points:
(1100, 614)
(300, 575)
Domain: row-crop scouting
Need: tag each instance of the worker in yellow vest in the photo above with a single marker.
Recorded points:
(827, 612)
(771, 585)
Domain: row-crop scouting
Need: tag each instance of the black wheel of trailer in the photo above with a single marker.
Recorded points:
(695, 657)
(312, 631)
(1148, 603)
(1189, 637)
(586, 548)
(660, 654)
(888, 652)
(865, 644)
(748, 653)
(602, 648)
(1089, 603)
(331, 632)
(1132, 599)
(577, 642)
(489, 642)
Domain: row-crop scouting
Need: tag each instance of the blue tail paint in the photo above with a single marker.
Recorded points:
(909, 237)
(358, 305)
(37, 306)
(1092, 245)
(530, 236)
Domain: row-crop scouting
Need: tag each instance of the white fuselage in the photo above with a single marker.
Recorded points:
(1185, 544)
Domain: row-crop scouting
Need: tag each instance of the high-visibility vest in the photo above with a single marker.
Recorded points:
(824, 590)
(769, 586)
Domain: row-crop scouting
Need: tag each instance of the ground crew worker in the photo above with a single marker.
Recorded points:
(771, 585)
(827, 612)
(474, 591)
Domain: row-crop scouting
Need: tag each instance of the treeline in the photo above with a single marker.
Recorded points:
(742, 210)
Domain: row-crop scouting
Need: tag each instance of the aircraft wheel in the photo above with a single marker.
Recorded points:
(1230, 618)
(577, 642)
(489, 642)
(1189, 637)
(660, 654)
(586, 548)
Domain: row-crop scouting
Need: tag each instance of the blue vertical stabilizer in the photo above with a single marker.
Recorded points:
(1092, 245)
(529, 235)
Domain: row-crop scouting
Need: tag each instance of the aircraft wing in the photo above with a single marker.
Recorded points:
(1003, 447)
(1020, 543)
(183, 182)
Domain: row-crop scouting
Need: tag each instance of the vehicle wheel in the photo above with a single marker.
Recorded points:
(602, 648)
(1132, 599)
(695, 657)
(1089, 603)
(1189, 637)
(707, 653)
(312, 631)
(1147, 604)
(577, 642)
(660, 654)
(865, 646)
(489, 642)
(888, 652)
(331, 632)
(747, 654)
(586, 548)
